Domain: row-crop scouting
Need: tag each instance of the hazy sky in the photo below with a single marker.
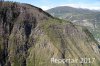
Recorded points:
(47, 4)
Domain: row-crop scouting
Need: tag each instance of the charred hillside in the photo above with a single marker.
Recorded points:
(31, 37)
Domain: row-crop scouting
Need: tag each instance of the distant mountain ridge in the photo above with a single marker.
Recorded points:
(79, 16)
(68, 9)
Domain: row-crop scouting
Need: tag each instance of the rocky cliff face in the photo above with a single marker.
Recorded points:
(31, 37)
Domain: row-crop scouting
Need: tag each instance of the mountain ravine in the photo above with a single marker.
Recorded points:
(79, 16)
(31, 37)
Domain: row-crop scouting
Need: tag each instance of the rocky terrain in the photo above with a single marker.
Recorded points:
(31, 37)
(79, 16)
